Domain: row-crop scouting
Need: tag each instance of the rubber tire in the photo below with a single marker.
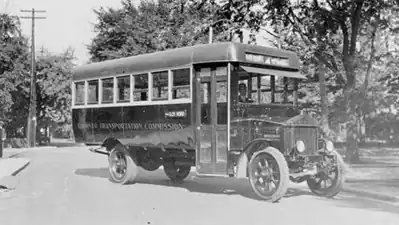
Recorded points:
(337, 187)
(149, 166)
(284, 174)
(131, 167)
(174, 176)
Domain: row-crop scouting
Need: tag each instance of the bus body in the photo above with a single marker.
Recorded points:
(219, 107)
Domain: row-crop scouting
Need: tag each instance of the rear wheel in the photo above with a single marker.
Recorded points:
(268, 174)
(122, 168)
(149, 164)
(329, 181)
(176, 173)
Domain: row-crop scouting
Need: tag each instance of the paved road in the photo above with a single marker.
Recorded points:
(70, 186)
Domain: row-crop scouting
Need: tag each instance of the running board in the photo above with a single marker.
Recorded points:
(97, 150)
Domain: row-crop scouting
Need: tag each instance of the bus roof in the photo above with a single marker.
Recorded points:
(185, 56)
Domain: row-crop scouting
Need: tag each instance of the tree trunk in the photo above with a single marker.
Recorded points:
(323, 100)
(370, 63)
(352, 134)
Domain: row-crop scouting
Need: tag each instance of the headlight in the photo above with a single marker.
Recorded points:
(300, 146)
(329, 146)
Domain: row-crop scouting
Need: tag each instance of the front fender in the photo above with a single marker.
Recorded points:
(245, 156)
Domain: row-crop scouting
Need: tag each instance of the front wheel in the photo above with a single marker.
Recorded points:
(330, 180)
(268, 174)
(122, 169)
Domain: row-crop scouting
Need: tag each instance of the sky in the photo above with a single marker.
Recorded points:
(67, 24)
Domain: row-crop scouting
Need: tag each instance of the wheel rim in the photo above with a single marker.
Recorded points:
(118, 165)
(325, 180)
(265, 175)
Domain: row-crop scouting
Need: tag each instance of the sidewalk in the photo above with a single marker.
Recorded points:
(377, 176)
(381, 183)
(14, 152)
(10, 166)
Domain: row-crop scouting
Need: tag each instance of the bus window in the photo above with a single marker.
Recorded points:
(205, 72)
(181, 84)
(79, 93)
(266, 90)
(205, 92)
(221, 71)
(206, 99)
(140, 87)
(284, 90)
(160, 85)
(221, 91)
(108, 90)
(92, 92)
(123, 92)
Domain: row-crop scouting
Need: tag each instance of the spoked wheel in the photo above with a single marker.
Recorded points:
(148, 163)
(176, 173)
(330, 180)
(268, 174)
(122, 169)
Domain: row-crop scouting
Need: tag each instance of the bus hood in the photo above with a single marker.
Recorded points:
(303, 119)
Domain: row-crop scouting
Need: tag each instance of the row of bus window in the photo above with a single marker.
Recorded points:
(180, 80)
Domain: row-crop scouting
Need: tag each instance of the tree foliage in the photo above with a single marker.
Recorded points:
(149, 27)
(13, 59)
(333, 32)
(53, 81)
(53, 99)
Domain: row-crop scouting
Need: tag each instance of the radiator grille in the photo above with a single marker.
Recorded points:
(307, 134)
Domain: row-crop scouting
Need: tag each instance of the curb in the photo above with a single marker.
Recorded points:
(21, 165)
(17, 171)
(14, 152)
(372, 195)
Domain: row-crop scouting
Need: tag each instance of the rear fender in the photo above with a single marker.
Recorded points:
(110, 143)
(245, 156)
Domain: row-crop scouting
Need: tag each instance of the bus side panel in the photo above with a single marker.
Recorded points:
(108, 122)
(139, 121)
(136, 125)
(81, 125)
(180, 116)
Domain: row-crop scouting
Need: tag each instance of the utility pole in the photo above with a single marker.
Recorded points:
(32, 120)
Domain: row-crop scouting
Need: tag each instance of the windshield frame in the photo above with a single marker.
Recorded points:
(289, 87)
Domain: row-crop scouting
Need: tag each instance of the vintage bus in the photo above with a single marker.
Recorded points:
(229, 109)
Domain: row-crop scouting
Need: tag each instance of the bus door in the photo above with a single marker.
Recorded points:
(211, 110)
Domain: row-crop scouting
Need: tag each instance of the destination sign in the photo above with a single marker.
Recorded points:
(267, 59)
(132, 126)
(176, 114)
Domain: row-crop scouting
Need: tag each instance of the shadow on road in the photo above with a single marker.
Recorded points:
(354, 202)
(209, 185)
(383, 182)
(229, 186)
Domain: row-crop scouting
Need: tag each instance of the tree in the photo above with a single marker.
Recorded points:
(329, 32)
(53, 94)
(13, 58)
(152, 26)
(332, 28)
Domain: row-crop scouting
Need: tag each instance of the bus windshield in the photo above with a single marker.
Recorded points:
(266, 89)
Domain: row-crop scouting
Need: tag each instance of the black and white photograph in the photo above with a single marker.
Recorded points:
(199, 112)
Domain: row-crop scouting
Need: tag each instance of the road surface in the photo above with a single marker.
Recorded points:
(70, 186)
